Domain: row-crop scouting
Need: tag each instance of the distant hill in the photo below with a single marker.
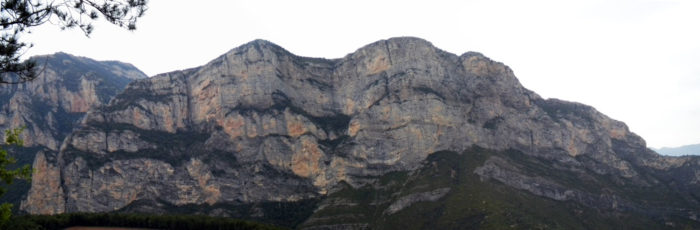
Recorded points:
(50, 106)
(680, 151)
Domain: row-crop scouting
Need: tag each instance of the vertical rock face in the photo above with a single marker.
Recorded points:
(50, 106)
(259, 124)
(66, 88)
(48, 197)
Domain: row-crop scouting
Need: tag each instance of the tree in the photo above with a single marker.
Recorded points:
(7, 176)
(19, 16)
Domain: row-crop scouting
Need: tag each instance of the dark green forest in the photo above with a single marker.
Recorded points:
(184, 222)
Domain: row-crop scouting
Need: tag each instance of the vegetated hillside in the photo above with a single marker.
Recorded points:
(50, 106)
(680, 151)
(262, 134)
(453, 190)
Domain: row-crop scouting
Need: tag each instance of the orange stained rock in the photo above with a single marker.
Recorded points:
(77, 104)
(251, 130)
(137, 117)
(198, 171)
(618, 133)
(51, 192)
(353, 128)
(270, 124)
(573, 151)
(232, 125)
(167, 119)
(295, 128)
(481, 66)
(305, 163)
(438, 119)
(206, 90)
(212, 194)
(378, 65)
(239, 147)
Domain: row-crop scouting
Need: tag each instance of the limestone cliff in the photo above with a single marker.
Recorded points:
(259, 124)
(51, 105)
(65, 89)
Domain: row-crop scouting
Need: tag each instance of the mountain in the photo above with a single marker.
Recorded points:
(680, 151)
(52, 105)
(398, 134)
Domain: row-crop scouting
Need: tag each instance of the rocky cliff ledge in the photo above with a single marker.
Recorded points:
(259, 124)
(52, 105)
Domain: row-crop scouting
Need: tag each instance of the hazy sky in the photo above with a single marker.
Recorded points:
(637, 61)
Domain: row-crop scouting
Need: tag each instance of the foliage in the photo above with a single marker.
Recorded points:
(19, 188)
(8, 175)
(132, 220)
(19, 16)
(287, 214)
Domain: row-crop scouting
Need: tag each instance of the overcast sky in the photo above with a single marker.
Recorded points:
(637, 61)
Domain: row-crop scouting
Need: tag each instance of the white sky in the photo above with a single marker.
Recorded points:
(635, 60)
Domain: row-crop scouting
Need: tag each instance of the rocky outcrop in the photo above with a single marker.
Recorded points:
(65, 89)
(50, 106)
(48, 197)
(501, 170)
(408, 200)
(260, 124)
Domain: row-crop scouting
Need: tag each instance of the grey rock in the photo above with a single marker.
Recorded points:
(408, 200)
(66, 88)
(261, 124)
(50, 106)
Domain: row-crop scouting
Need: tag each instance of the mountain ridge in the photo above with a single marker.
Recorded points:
(259, 125)
(684, 150)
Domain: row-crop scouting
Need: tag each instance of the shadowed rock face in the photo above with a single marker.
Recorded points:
(260, 124)
(50, 106)
(67, 86)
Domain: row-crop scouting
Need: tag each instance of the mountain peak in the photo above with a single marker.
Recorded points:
(398, 43)
(409, 40)
(258, 45)
(110, 68)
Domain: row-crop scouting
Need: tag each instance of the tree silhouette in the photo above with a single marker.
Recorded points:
(7, 176)
(19, 16)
